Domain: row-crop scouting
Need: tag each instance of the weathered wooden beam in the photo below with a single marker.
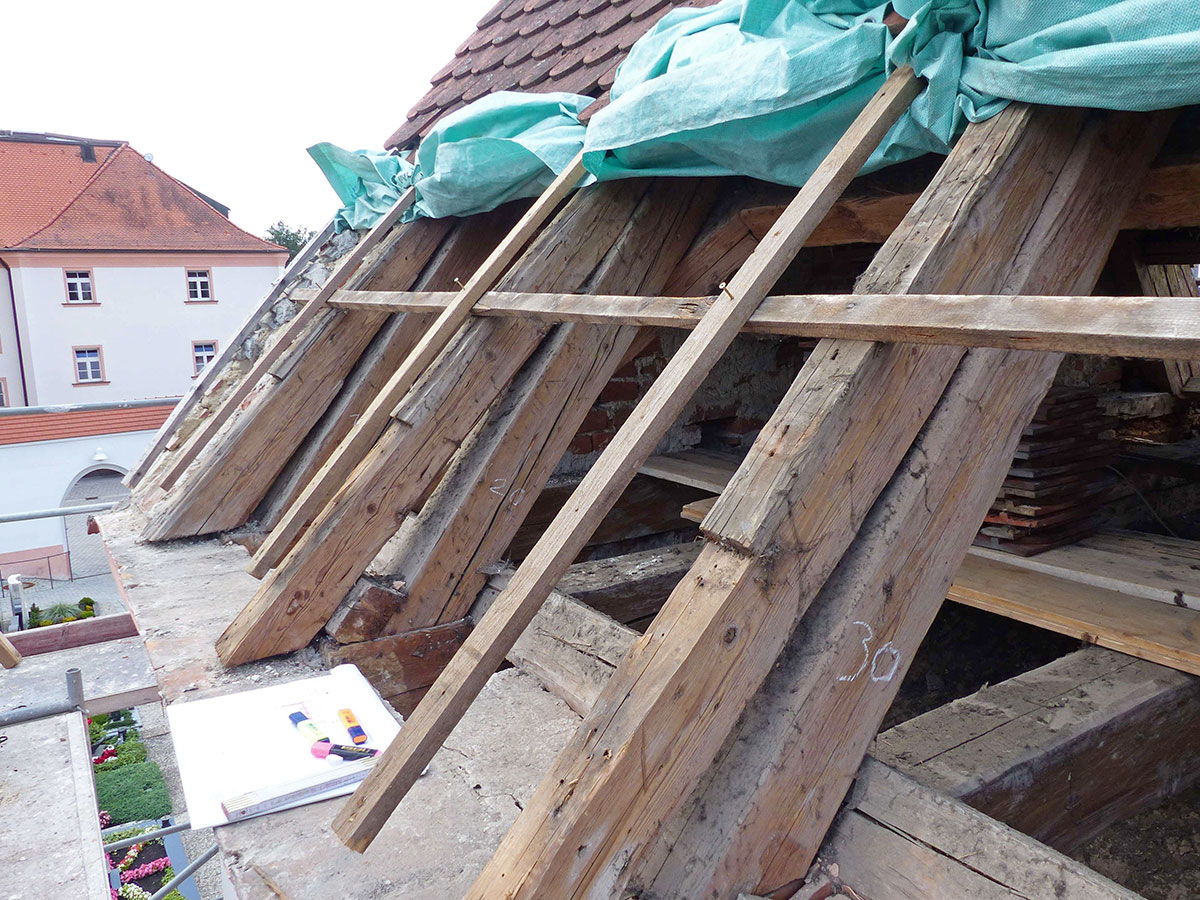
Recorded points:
(321, 489)
(298, 597)
(361, 819)
(493, 482)
(1150, 327)
(221, 367)
(632, 586)
(1060, 752)
(1175, 281)
(347, 268)
(1056, 191)
(9, 655)
(243, 460)
(898, 839)
(464, 251)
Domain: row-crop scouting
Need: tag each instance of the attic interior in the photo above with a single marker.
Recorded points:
(640, 502)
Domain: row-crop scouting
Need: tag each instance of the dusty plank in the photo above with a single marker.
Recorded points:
(1174, 281)
(1162, 633)
(905, 841)
(1063, 751)
(631, 586)
(1134, 563)
(1150, 327)
(371, 804)
(74, 634)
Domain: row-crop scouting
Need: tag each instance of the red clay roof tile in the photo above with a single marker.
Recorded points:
(543, 45)
(124, 203)
(53, 426)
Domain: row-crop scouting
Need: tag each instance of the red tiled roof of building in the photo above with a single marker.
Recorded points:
(51, 199)
(53, 426)
(541, 46)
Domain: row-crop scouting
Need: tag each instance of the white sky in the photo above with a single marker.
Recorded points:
(227, 95)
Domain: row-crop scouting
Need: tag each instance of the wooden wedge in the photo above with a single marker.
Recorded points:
(372, 422)
(367, 810)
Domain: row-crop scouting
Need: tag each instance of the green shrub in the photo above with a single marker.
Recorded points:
(86, 603)
(128, 753)
(96, 732)
(134, 791)
(33, 616)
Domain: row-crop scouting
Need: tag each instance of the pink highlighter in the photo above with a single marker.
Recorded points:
(325, 749)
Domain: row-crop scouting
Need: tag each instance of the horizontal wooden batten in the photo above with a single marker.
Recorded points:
(1147, 327)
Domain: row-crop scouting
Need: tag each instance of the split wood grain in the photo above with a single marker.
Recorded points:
(494, 481)
(347, 267)
(439, 412)
(369, 807)
(1054, 187)
(450, 320)
(1149, 327)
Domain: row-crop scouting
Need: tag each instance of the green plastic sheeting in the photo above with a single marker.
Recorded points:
(501, 147)
(766, 87)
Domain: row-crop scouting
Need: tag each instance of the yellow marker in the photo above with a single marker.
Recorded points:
(357, 735)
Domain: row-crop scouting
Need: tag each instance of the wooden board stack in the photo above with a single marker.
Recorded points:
(1059, 477)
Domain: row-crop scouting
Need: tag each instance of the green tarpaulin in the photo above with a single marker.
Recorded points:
(765, 87)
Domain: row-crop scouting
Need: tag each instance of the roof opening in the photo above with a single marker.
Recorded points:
(87, 152)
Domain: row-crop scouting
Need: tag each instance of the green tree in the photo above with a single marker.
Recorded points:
(286, 236)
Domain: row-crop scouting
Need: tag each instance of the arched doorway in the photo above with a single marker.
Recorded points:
(96, 484)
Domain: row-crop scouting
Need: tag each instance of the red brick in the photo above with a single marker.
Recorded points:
(580, 445)
(616, 391)
(597, 419)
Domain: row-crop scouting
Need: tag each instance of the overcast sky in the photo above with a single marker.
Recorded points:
(227, 95)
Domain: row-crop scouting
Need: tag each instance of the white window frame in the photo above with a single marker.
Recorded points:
(89, 365)
(201, 360)
(80, 288)
(199, 285)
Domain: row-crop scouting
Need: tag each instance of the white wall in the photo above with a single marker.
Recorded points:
(35, 476)
(142, 323)
(10, 369)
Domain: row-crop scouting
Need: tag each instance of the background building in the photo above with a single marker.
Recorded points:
(117, 283)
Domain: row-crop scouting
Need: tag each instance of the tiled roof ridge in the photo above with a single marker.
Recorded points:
(268, 246)
(79, 193)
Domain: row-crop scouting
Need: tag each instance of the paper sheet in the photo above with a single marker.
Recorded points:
(241, 742)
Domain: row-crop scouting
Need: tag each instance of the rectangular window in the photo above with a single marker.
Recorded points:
(88, 365)
(203, 352)
(199, 285)
(79, 287)
(3, 393)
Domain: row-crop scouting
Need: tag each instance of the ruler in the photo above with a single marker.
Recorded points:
(292, 793)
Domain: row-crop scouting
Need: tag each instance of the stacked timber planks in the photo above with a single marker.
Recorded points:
(1059, 477)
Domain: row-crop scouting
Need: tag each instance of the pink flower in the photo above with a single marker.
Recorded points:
(145, 870)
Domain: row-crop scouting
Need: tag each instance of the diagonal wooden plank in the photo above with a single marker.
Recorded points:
(369, 807)
(345, 271)
(365, 431)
